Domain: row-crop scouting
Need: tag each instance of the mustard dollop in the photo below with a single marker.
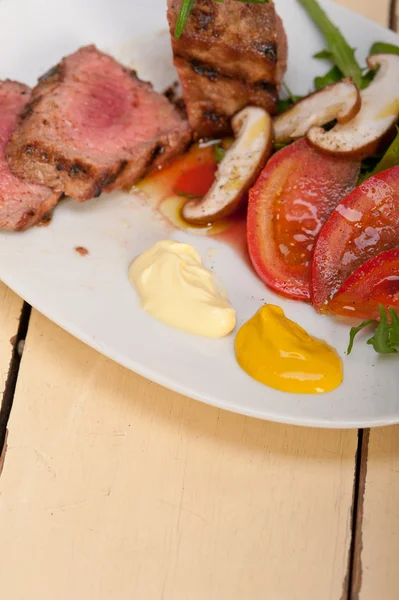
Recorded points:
(279, 353)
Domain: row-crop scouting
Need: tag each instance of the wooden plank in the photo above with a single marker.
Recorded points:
(114, 487)
(375, 573)
(376, 10)
(377, 541)
(10, 310)
(377, 567)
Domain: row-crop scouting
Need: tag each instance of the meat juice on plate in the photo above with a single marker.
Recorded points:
(191, 176)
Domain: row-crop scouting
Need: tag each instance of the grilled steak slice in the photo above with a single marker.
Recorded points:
(92, 125)
(231, 54)
(21, 204)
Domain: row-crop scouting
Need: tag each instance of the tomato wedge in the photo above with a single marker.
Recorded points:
(291, 200)
(376, 282)
(363, 225)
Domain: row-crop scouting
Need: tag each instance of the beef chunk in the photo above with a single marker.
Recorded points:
(230, 55)
(21, 204)
(92, 125)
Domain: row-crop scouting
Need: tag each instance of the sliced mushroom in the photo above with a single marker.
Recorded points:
(339, 101)
(238, 169)
(379, 112)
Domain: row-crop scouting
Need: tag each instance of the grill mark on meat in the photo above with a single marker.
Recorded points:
(114, 176)
(269, 50)
(109, 179)
(206, 70)
(265, 86)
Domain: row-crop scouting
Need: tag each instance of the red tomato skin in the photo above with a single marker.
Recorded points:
(375, 282)
(363, 225)
(292, 198)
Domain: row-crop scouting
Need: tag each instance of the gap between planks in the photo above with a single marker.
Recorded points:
(12, 377)
(355, 567)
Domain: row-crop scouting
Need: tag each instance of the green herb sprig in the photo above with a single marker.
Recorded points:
(187, 7)
(219, 152)
(387, 161)
(340, 52)
(386, 335)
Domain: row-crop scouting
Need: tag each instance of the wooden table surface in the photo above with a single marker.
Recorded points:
(115, 488)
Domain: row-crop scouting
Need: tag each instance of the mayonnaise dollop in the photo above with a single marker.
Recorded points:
(174, 287)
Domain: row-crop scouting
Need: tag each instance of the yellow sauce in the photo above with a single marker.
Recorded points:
(390, 110)
(174, 287)
(171, 209)
(279, 353)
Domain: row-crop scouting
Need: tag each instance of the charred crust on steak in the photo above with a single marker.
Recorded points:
(158, 151)
(24, 221)
(109, 179)
(215, 122)
(34, 149)
(54, 74)
(114, 176)
(267, 49)
(204, 17)
(210, 115)
(77, 169)
(30, 107)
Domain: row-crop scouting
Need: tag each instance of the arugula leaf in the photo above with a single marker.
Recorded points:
(342, 54)
(329, 78)
(354, 331)
(389, 159)
(381, 338)
(394, 332)
(386, 335)
(383, 48)
(368, 77)
(185, 10)
(323, 54)
(283, 104)
(220, 153)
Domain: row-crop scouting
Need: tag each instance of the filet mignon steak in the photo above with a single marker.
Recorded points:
(231, 55)
(22, 204)
(92, 125)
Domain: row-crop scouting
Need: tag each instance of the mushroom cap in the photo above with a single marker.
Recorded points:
(379, 111)
(339, 101)
(238, 170)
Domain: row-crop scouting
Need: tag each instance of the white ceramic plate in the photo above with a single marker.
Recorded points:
(91, 297)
